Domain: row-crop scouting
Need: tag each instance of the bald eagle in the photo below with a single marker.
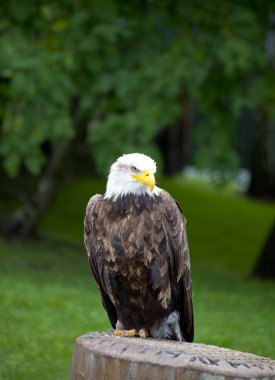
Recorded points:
(137, 248)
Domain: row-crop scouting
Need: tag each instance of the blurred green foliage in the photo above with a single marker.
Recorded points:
(128, 64)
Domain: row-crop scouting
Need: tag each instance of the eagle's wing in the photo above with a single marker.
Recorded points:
(90, 225)
(179, 268)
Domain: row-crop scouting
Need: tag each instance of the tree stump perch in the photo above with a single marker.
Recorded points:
(104, 356)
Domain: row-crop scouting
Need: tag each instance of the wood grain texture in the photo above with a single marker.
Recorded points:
(103, 356)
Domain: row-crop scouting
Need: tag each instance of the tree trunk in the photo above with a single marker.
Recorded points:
(263, 144)
(186, 127)
(174, 141)
(265, 266)
(23, 221)
(106, 356)
(261, 185)
(263, 165)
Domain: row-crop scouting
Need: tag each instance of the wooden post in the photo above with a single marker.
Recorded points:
(104, 356)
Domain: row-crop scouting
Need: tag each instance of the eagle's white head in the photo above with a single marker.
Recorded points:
(132, 174)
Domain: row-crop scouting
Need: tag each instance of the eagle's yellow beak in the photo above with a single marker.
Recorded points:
(147, 178)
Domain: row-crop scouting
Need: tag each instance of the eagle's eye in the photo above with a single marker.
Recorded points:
(134, 169)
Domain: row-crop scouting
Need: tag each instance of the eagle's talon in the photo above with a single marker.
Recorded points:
(130, 333)
(143, 333)
(118, 332)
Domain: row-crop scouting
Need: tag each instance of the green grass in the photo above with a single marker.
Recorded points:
(48, 299)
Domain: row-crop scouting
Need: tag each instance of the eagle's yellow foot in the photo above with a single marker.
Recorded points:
(130, 333)
(143, 333)
(118, 332)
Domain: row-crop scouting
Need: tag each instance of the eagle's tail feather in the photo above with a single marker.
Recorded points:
(169, 328)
